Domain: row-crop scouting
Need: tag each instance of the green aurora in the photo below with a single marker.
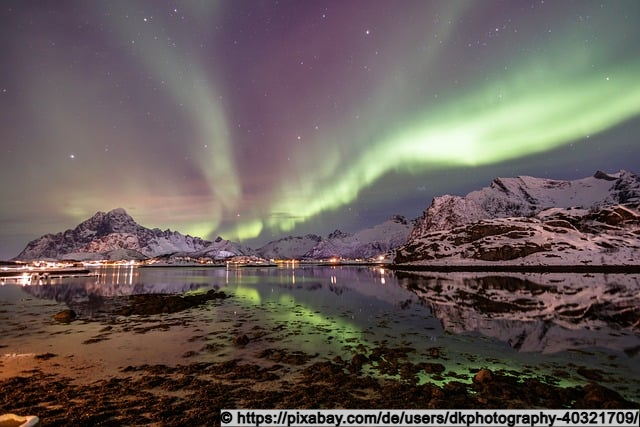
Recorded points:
(252, 121)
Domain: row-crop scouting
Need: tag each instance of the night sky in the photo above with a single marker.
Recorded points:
(253, 120)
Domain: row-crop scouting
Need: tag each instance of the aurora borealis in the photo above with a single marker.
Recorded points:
(257, 119)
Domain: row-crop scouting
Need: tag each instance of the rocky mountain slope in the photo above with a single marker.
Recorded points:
(367, 243)
(532, 221)
(115, 235)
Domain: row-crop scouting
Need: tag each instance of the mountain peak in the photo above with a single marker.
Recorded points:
(337, 234)
(512, 204)
(114, 221)
(102, 234)
(118, 211)
(363, 244)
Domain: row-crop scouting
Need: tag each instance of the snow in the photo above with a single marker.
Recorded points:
(292, 247)
(366, 243)
(534, 194)
(532, 221)
(115, 235)
(586, 221)
(559, 303)
(563, 246)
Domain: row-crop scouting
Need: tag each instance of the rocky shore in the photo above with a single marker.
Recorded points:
(193, 394)
(257, 370)
(517, 268)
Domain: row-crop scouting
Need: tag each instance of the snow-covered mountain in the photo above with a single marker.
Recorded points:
(522, 220)
(367, 243)
(528, 220)
(291, 247)
(115, 235)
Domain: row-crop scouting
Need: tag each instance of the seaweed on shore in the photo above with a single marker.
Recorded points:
(195, 393)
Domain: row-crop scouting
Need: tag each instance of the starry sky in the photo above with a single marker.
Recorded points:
(253, 119)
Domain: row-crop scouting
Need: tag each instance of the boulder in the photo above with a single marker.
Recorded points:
(483, 376)
(65, 316)
(13, 420)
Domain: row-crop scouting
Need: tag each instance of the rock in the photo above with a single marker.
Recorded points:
(615, 215)
(483, 376)
(599, 397)
(357, 361)
(560, 223)
(590, 374)
(434, 368)
(65, 316)
(241, 340)
(508, 251)
(151, 304)
(529, 220)
(13, 420)
(281, 355)
(434, 352)
(43, 356)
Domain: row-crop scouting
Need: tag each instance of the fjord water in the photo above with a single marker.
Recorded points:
(559, 327)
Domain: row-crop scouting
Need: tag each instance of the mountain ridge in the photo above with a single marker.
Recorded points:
(527, 220)
(371, 242)
(519, 219)
(115, 235)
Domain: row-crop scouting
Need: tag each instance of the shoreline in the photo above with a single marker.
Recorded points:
(104, 367)
(44, 272)
(517, 268)
(194, 393)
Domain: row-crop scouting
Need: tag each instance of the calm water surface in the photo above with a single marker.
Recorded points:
(549, 325)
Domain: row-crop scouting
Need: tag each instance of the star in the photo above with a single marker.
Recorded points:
(449, 91)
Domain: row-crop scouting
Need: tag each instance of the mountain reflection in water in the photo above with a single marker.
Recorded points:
(537, 312)
(508, 321)
(531, 312)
